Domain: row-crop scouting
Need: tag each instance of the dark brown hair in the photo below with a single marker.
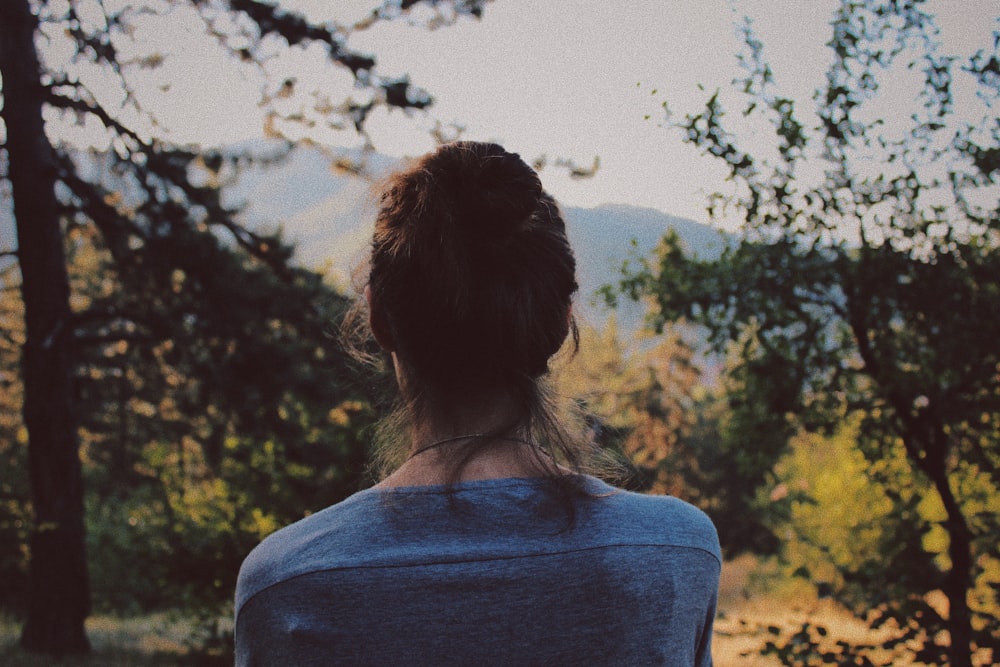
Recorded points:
(472, 276)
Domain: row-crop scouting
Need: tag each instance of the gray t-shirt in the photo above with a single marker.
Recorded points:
(492, 572)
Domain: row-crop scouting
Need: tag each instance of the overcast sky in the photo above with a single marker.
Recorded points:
(561, 78)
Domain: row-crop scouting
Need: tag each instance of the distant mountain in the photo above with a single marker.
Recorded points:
(607, 236)
(329, 216)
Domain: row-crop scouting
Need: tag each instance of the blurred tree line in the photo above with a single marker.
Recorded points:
(861, 300)
(181, 394)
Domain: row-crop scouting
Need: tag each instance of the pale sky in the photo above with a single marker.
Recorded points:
(561, 78)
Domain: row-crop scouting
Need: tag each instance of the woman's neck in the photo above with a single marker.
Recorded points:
(485, 439)
(455, 462)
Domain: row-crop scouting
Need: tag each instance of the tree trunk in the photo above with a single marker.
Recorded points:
(959, 578)
(60, 592)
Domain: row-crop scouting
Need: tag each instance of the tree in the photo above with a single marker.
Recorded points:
(668, 423)
(639, 402)
(864, 286)
(60, 597)
(160, 223)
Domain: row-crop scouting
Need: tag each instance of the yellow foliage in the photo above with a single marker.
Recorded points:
(983, 596)
(341, 415)
(262, 524)
(840, 521)
(935, 541)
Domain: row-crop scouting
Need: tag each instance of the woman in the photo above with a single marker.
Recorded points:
(488, 543)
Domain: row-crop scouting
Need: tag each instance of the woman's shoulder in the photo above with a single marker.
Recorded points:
(302, 546)
(657, 518)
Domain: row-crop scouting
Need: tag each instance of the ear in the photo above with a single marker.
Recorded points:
(376, 321)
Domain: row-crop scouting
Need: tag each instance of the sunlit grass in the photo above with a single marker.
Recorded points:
(158, 639)
(753, 599)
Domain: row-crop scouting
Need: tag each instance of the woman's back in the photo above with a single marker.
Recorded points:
(484, 572)
(484, 542)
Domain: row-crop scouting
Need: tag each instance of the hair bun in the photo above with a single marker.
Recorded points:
(471, 271)
(494, 192)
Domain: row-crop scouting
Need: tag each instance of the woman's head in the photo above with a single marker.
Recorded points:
(470, 284)
(471, 274)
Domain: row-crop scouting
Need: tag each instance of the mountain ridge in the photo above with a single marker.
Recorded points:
(329, 216)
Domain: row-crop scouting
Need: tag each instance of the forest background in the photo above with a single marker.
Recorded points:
(824, 381)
